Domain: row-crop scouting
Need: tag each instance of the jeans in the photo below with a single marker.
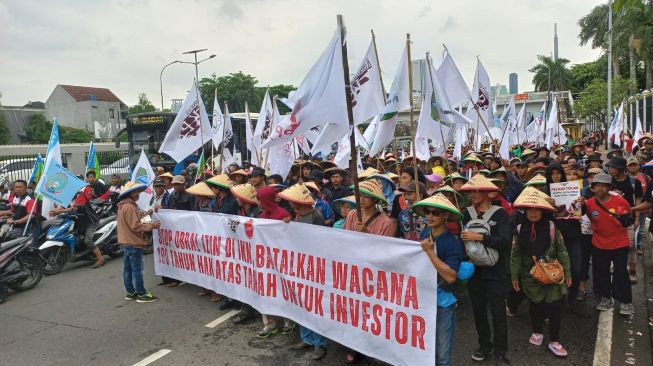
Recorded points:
(484, 294)
(617, 283)
(132, 270)
(575, 251)
(310, 337)
(640, 231)
(444, 334)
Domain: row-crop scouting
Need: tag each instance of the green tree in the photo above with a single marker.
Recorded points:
(143, 105)
(5, 134)
(594, 98)
(583, 74)
(38, 129)
(70, 135)
(555, 71)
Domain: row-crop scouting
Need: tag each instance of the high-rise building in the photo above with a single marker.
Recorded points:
(513, 86)
(497, 90)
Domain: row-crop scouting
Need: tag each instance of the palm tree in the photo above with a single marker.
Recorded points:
(550, 74)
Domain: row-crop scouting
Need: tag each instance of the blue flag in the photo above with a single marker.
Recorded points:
(59, 184)
(37, 171)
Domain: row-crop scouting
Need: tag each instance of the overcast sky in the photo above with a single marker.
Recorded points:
(122, 45)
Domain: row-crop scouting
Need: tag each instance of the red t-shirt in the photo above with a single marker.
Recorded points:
(83, 197)
(26, 202)
(608, 231)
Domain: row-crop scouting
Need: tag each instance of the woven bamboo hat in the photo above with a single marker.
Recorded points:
(200, 189)
(532, 198)
(245, 192)
(371, 188)
(438, 201)
(479, 182)
(298, 194)
(367, 173)
(337, 204)
(220, 180)
(537, 180)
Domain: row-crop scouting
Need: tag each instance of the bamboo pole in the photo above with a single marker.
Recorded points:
(353, 164)
(224, 121)
(412, 117)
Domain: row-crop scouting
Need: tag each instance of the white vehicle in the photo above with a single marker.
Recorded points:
(17, 168)
(120, 166)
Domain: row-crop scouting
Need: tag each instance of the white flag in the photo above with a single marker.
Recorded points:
(639, 131)
(521, 124)
(457, 90)
(481, 98)
(552, 124)
(189, 130)
(398, 100)
(53, 155)
(366, 88)
(319, 99)
(143, 174)
(249, 137)
(370, 131)
(331, 133)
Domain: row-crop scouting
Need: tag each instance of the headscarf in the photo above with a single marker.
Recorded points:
(267, 202)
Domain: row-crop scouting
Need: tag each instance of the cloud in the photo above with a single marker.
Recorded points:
(122, 45)
(449, 24)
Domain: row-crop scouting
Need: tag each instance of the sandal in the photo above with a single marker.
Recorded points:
(173, 284)
(536, 339)
(215, 297)
(204, 292)
(557, 349)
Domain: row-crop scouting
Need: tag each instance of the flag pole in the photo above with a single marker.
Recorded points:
(412, 117)
(254, 147)
(429, 63)
(224, 120)
(197, 99)
(378, 67)
(353, 162)
(29, 217)
(213, 145)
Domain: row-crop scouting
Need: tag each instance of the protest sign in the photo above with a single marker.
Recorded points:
(374, 294)
(566, 196)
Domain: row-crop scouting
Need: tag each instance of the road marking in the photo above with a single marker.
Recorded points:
(221, 319)
(603, 348)
(153, 357)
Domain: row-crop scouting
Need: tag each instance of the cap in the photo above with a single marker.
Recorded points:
(602, 178)
(178, 179)
(158, 182)
(632, 160)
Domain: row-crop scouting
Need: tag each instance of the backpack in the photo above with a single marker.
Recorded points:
(477, 252)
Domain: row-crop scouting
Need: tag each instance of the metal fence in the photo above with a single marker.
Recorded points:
(16, 167)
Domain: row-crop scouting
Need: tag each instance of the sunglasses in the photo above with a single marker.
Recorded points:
(434, 212)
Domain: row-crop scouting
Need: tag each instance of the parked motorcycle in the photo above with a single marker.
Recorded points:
(64, 244)
(20, 265)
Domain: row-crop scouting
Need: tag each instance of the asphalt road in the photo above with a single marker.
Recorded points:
(79, 317)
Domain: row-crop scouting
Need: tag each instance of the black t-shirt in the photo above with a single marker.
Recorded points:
(99, 188)
(631, 188)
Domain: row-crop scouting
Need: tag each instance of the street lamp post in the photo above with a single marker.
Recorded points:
(194, 53)
(161, 80)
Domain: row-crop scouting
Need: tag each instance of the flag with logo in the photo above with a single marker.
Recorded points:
(37, 170)
(144, 174)
(481, 98)
(190, 129)
(59, 185)
(92, 163)
(53, 156)
(398, 100)
(639, 131)
(367, 98)
(319, 99)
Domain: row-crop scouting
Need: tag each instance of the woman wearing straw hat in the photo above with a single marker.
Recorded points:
(204, 197)
(538, 240)
(342, 206)
(487, 287)
(302, 201)
(131, 235)
(445, 252)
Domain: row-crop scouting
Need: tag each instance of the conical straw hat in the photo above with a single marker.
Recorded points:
(245, 192)
(532, 198)
(446, 189)
(454, 175)
(527, 152)
(166, 175)
(337, 204)
(438, 201)
(201, 189)
(479, 182)
(220, 180)
(372, 188)
(472, 158)
(238, 172)
(537, 180)
(131, 186)
(312, 187)
(368, 172)
(298, 194)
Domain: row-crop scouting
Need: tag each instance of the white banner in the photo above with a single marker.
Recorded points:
(379, 302)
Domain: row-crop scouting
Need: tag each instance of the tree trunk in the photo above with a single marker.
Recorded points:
(633, 65)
